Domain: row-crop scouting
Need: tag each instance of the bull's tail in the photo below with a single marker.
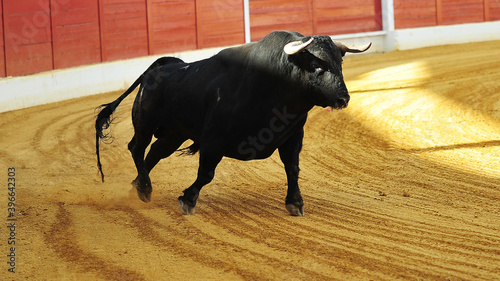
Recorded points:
(104, 120)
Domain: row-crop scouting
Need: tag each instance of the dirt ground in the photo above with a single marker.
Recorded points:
(403, 184)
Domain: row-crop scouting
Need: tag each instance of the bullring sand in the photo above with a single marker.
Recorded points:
(403, 184)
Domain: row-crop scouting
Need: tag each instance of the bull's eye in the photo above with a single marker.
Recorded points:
(314, 66)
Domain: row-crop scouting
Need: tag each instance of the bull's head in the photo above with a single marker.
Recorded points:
(317, 63)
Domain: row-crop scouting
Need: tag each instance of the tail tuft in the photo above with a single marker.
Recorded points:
(102, 122)
(190, 150)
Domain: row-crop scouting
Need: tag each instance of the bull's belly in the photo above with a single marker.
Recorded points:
(250, 156)
(251, 150)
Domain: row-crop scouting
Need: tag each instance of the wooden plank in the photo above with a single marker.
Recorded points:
(315, 16)
(462, 11)
(171, 25)
(2, 45)
(415, 13)
(486, 10)
(346, 13)
(327, 4)
(75, 27)
(378, 15)
(337, 17)
(28, 37)
(259, 32)
(267, 16)
(219, 23)
(314, 8)
(494, 10)
(271, 6)
(124, 30)
(439, 12)
(149, 15)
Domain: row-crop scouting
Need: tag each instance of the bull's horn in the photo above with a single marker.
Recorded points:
(352, 48)
(296, 46)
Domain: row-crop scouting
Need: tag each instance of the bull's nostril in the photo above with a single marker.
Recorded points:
(342, 102)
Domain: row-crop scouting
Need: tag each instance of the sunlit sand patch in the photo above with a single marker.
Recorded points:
(411, 114)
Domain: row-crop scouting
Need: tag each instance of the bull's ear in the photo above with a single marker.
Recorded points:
(296, 46)
(347, 48)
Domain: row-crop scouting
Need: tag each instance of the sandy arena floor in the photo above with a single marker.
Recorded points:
(403, 184)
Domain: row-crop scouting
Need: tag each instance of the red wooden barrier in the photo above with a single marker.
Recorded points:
(40, 35)
(172, 25)
(124, 29)
(314, 16)
(342, 17)
(75, 33)
(493, 10)
(414, 13)
(463, 11)
(220, 23)
(2, 45)
(28, 37)
(269, 15)
(419, 13)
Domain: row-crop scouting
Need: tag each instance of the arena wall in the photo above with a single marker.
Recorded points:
(52, 50)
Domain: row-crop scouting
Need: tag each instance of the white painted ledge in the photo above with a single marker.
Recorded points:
(414, 38)
(57, 85)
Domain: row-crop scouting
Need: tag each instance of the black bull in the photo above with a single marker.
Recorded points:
(244, 102)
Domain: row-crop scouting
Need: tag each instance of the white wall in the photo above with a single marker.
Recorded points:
(413, 38)
(57, 85)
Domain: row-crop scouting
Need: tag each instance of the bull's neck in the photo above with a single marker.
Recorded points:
(286, 94)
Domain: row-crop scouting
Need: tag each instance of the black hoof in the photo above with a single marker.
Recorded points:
(296, 209)
(145, 197)
(186, 207)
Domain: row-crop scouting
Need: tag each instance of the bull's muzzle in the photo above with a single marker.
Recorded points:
(341, 102)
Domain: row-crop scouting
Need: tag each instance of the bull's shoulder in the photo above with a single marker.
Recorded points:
(241, 50)
(234, 55)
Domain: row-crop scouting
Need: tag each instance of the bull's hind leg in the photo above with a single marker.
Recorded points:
(146, 121)
(209, 159)
(161, 148)
(137, 147)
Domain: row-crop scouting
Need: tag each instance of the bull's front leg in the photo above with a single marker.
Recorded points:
(206, 172)
(289, 154)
